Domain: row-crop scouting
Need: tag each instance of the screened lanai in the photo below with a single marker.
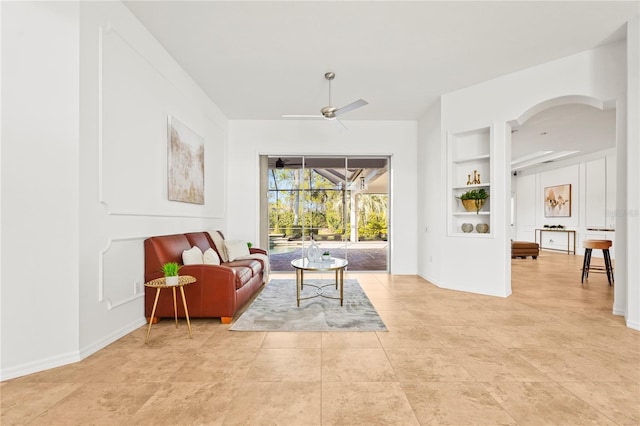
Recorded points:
(339, 202)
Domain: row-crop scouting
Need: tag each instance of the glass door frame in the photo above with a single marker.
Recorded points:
(348, 183)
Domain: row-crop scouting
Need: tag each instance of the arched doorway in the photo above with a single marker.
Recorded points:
(570, 141)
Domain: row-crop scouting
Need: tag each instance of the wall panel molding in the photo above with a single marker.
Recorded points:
(132, 134)
(120, 276)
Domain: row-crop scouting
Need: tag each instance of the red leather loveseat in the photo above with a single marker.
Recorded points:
(219, 290)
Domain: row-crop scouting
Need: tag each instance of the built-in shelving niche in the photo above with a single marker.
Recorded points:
(469, 156)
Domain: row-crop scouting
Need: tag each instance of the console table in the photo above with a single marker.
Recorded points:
(569, 233)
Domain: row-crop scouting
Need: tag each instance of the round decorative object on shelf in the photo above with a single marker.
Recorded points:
(482, 228)
(313, 252)
(467, 227)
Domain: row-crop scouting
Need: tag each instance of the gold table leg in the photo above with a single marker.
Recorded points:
(175, 306)
(186, 311)
(298, 284)
(336, 279)
(153, 312)
(341, 284)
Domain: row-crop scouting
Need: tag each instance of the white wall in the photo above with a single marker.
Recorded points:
(593, 200)
(40, 143)
(630, 192)
(129, 86)
(599, 74)
(249, 139)
(431, 194)
(99, 89)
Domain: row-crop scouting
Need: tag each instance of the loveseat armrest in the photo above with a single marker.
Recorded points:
(254, 250)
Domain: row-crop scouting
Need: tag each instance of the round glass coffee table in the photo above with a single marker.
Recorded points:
(334, 264)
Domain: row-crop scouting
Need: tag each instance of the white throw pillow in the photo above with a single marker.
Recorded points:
(210, 257)
(193, 256)
(236, 249)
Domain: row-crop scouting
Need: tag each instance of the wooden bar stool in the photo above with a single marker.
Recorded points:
(603, 245)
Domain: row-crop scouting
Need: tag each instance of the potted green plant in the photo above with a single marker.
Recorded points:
(474, 199)
(249, 244)
(326, 255)
(170, 270)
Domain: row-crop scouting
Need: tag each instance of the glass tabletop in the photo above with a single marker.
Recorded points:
(321, 265)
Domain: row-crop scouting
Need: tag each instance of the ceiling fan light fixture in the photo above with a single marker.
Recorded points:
(279, 163)
(329, 112)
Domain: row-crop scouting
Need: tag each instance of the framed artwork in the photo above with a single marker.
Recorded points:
(557, 201)
(185, 174)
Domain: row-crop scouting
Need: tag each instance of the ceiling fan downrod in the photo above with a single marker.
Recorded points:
(329, 111)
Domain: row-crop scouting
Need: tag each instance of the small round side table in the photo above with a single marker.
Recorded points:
(159, 284)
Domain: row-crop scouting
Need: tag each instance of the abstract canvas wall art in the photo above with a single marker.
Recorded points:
(557, 201)
(185, 172)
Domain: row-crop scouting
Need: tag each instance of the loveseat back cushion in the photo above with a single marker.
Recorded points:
(200, 240)
(160, 250)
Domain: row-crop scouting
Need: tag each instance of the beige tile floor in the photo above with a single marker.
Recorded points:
(552, 353)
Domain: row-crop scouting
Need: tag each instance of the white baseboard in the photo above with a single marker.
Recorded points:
(619, 312)
(39, 365)
(109, 339)
(466, 290)
(70, 357)
(634, 325)
(431, 280)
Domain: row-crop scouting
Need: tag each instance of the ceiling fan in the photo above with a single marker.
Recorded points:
(280, 163)
(330, 112)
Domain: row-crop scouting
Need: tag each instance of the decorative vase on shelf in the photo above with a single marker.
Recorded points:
(482, 228)
(313, 252)
(467, 227)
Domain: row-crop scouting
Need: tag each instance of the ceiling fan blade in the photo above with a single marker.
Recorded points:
(353, 105)
(301, 116)
(341, 123)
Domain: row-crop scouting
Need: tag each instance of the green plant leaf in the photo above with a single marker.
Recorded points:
(170, 269)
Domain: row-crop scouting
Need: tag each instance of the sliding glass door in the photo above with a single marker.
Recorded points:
(339, 202)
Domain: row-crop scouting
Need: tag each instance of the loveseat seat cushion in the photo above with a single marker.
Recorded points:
(243, 275)
(254, 265)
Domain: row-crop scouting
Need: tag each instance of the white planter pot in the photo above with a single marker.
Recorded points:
(172, 280)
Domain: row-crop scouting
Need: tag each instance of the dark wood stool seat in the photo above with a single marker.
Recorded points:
(603, 245)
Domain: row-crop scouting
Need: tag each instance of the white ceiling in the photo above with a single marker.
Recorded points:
(259, 60)
(562, 132)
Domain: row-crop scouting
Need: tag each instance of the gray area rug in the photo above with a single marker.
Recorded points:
(274, 309)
